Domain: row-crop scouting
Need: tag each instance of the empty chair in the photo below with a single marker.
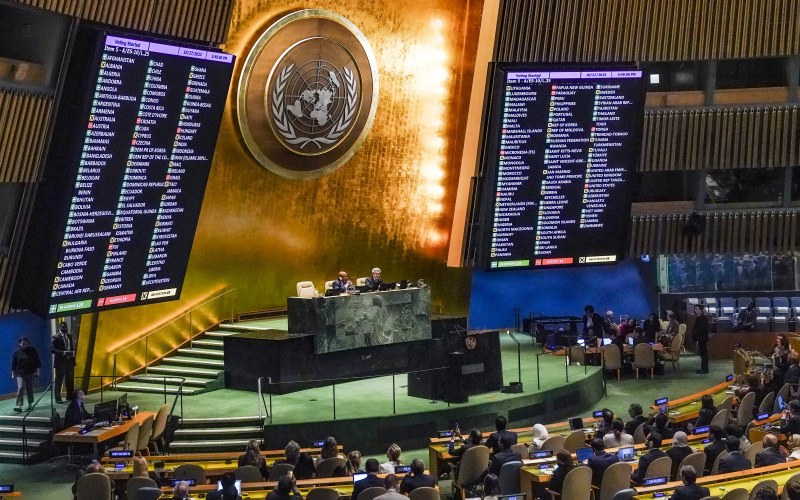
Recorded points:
(328, 285)
(144, 435)
(249, 474)
(727, 306)
(612, 359)
(328, 467)
(278, 470)
(190, 471)
(157, 437)
(764, 306)
(509, 478)
(470, 470)
(726, 404)
(553, 443)
(577, 355)
(638, 435)
(520, 448)
(721, 418)
(371, 493)
(784, 394)
(709, 301)
(692, 301)
(575, 440)
(306, 289)
(696, 460)
(742, 302)
(147, 493)
(745, 412)
(134, 484)
(751, 452)
(660, 467)
(781, 307)
(643, 358)
(737, 494)
(795, 301)
(94, 486)
(361, 281)
(626, 494)
(766, 483)
(326, 494)
(617, 477)
(791, 480)
(674, 354)
(421, 493)
(577, 485)
(131, 439)
(767, 403)
(715, 467)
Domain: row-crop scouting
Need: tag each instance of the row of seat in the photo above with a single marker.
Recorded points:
(785, 307)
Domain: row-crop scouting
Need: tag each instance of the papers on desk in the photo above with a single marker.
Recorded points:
(69, 433)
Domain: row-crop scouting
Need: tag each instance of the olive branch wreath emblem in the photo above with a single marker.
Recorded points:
(284, 125)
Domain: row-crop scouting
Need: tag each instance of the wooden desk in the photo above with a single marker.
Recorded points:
(688, 407)
(13, 494)
(758, 431)
(72, 435)
(269, 455)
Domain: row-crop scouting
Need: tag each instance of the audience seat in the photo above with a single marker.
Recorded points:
(793, 479)
(742, 303)
(328, 285)
(278, 470)
(371, 493)
(612, 359)
(643, 358)
(249, 474)
(764, 306)
(94, 486)
(638, 435)
(744, 415)
(575, 440)
(617, 477)
(715, 468)
(696, 460)
(784, 393)
(323, 494)
(159, 428)
(144, 435)
(721, 418)
(751, 452)
(134, 484)
(471, 469)
(520, 448)
(131, 439)
(674, 354)
(781, 307)
(660, 467)
(147, 493)
(577, 485)
(795, 307)
(361, 281)
(190, 471)
(421, 493)
(328, 467)
(306, 289)
(554, 443)
(737, 494)
(727, 306)
(509, 478)
(766, 403)
(766, 483)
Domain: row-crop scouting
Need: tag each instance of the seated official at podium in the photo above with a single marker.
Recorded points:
(341, 284)
(76, 412)
(374, 282)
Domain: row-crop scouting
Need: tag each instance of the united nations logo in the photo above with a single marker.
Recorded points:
(308, 94)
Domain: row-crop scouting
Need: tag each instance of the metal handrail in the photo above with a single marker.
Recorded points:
(172, 411)
(25, 452)
(261, 418)
(146, 338)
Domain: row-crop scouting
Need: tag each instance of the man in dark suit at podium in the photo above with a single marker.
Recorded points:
(63, 361)
(341, 283)
(500, 424)
(374, 282)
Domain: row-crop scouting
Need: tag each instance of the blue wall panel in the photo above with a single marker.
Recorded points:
(13, 326)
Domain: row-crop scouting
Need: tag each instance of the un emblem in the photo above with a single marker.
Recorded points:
(308, 94)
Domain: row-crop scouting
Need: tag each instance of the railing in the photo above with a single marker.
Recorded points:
(25, 451)
(263, 404)
(168, 430)
(187, 331)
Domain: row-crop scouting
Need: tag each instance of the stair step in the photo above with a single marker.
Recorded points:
(250, 431)
(200, 353)
(11, 456)
(17, 443)
(208, 343)
(216, 445)
(155, 388)
(221, 334)
(243, 327)
(199, 362)
(39, 431)
(153, 379)
(219, 421)
(29, 422)
(184, 371)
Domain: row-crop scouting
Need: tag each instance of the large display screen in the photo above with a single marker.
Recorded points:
(125, 199)
(562, 148)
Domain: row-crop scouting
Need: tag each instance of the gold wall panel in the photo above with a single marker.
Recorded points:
(389, 206)
(24, 118)
(647, 30)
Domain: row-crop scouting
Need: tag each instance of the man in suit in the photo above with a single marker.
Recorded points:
(690, 489)
(417, 478)
(474, 439)
(500, 424)
(735, 461)
(637, 418)
(791, 425)
(593, 325)
(717, 445)
(390, 482)
(700, 335)
(76, 411)
(63, 349)
(600, 461)
(285, 490)
(771, 454)
(228, 483)
(653, 443)
(181, 491)
(504, 455)
(374, 282)
(341, 283)
(372, 466)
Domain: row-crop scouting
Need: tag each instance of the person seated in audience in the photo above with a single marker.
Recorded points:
(792, 375)
(772, 454)
(653, 445)
(606, 420)
(793, 445)
(766, 493)
(617, 437)
(600, 461)
(651, 327)
(737, 431)
(302, 462)
(286, 489)
(755, 383)
(180, 491)
(627, 327)
(791, 418)
(715, 447)
(660, 424)
(637, 418)
(506, 454)
(746, 319)
(540, 435)
(393, 454)
(690, 489)
(500, 424)
(330, 449)
(735, 461)
(670, 331)
(563, 466)
(707, 411)
(417, 478)
(391, 482)
(780, 360)
(474, 439)
(353, 464)
(228, 490)
(252, 456)
(680, 450)
(792, 490)
(372, 467)
(94, 466)
(76, 413)
(491, 487)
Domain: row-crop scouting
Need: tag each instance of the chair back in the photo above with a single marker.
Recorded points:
(626, 494)
(766, 483)
(190, 471)
(721, 418)
(306, 289)
(682, 329)
(643, 356)
(577, 484)
(577, 354)
(784, 393)
(328, 285)
(147, 493)
(726, 404)
(509, 478)
(278, 470)
(617, 477)
(675, 346)
(754, 449)
(696, 460)
(744, 414)
(160, 423)
(131, 437)
(145, 433)
(473, 464)
(554, 443)
(715, 468)
(371, 493)
(327, 467)
(134, 484)
(249, 474)
(660, 467)
(710, 498)
(612, 357)
(575, 440)
(767, 403)
(361, 281)
(521, 449)
(638, 435)
(322, 494)
(94, 486)
(422, 493)
(737, 494)
(793, 479)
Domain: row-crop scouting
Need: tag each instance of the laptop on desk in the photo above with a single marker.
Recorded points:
(626, 454)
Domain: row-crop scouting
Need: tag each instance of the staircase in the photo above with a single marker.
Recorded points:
(39, 430)
(205, 435)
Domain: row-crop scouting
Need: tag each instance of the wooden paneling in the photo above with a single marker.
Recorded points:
(201, 20)
(725, 232)
(24, 118)
(721, 138)
(646, 30)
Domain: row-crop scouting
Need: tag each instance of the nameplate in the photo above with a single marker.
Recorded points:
(472, 369)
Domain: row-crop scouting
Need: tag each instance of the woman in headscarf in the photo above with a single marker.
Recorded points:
(540, 435)
(793, 444)
(680, 450)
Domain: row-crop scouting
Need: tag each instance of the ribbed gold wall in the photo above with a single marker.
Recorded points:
(201, 20)
(24, 117)
(725, 232)
(647, 30)
(696, 139)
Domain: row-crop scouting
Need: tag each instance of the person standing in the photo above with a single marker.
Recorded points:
(64, 362)
(700, 335)
(25, 366)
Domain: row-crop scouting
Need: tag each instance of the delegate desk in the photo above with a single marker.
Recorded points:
(72, 435)
(688, 407)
